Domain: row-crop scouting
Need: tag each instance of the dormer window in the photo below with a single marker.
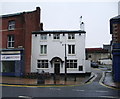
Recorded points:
(11, 25)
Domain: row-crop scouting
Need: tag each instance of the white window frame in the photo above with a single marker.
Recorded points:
(71, 63)
(43, 37)
(71, 36)
(42, 64)
(10, 41)
(71, 49)
(11, 25)
(43, 49)
(56, 36)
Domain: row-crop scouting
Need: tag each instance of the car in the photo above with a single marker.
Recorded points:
(94, 64)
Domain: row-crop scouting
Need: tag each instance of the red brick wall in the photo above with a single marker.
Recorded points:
(118, 33)
(25, 23)
(32, 23)
(18, 32)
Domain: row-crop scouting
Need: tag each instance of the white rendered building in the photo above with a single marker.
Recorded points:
(52, 49)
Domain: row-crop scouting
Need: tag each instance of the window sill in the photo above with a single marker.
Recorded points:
(42, 68)
(71, 40)
(43, 54)
(43, 40)
(71, 54)
(10, 47)
(11, 29)
(56, 40)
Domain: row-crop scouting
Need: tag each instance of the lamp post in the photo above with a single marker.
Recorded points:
(65, 60)
(65, 64)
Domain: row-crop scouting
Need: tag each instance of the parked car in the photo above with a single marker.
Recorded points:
(94, 64)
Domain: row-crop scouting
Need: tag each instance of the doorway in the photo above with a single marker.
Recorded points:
(57, 68)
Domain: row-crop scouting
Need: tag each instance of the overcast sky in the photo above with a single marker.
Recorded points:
(65, 16)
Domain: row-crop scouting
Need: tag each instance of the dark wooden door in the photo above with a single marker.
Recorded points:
(57, 68)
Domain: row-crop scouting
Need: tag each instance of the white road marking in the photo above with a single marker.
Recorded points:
(55, 89)
(108, 97)
(78, 90)
(25, 97)
(101, 91)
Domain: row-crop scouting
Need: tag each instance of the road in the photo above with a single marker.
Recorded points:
(91, 89)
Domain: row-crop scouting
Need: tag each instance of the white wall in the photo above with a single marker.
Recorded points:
(57, 49)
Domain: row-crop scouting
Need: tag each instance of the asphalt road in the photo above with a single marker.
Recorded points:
(91, 89)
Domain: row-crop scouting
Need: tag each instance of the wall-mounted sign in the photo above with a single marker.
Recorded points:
(10, 57)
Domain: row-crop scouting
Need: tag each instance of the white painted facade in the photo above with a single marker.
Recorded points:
(55, 52)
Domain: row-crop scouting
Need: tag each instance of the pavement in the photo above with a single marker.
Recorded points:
(108, 80)
(79, 80)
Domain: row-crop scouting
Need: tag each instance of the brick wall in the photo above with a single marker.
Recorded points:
(25, 23)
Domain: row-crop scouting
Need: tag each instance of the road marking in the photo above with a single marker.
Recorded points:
(55, 89)
(25, 97)
(109, 97)
(33, 86)
(78, 90)
(101, 91)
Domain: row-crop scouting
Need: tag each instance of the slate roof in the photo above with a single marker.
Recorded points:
(58, 31)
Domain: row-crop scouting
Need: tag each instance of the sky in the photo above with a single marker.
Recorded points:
(65, 15)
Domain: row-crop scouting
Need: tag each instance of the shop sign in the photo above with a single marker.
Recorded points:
(10, 57)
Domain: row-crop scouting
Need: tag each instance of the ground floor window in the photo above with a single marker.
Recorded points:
(8, 66)
(42, 63)
(71, 63)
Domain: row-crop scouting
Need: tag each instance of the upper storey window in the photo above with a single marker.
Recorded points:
(11, 25)
(11, 41)
(43, 37)
(71, 36)
(56, 36)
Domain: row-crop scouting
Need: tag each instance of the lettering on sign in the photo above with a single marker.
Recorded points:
(10, 57)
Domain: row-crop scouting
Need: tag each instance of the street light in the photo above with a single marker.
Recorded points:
(65, 64)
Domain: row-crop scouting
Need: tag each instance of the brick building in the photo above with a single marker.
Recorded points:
(15, 36)
(115, 32)
(115, 29)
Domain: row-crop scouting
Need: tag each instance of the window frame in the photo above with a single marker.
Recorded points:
(71, 49)
(43, 49)
(42, 64)
(11, 25)
(10, 41)
(71, 36)
(43, 37)
(72, 64)
(56, 36)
